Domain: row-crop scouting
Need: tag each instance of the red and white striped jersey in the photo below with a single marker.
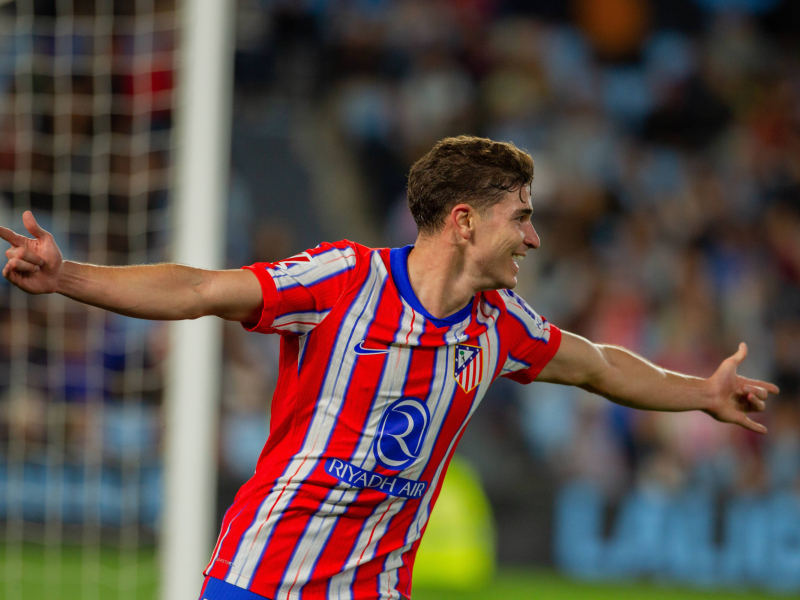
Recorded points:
(373, 395)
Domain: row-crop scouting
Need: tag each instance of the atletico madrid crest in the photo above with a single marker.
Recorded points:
(468, 366)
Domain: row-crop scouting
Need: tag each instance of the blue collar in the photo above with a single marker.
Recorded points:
(398, 261)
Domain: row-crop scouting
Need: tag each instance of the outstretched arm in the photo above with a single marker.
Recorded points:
(628, 379)
(162, 291)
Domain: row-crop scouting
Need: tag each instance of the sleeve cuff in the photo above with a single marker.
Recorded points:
(269, 305)
(549, 351)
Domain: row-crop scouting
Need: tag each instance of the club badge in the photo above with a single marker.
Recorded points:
(468, 366)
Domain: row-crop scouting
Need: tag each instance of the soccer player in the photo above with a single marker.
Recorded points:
(385, 356)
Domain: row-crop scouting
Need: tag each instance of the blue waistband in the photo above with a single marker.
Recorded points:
(217, 589)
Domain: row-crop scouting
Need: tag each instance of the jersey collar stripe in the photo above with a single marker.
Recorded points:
(256, 538)
(398, 258)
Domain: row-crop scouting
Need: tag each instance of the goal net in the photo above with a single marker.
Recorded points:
(86, 111)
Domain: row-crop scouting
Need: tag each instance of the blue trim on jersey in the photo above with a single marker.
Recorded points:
(309, 284)
(220, 590)
(398, 259)
(540, 337)
(520, 361)
(301, 352)
(304, 312)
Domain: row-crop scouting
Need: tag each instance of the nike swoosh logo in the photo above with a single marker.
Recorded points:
(359, 349)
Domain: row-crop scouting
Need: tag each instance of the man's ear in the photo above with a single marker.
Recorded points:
(463, 218)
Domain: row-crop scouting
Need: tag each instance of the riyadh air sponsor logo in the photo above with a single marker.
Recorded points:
(359, 349)
(468, 366)
(401, 432)
(361, 478)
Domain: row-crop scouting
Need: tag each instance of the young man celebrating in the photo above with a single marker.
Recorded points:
(385, 355)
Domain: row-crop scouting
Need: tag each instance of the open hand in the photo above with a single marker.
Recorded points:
(34, 265)
(734, 396)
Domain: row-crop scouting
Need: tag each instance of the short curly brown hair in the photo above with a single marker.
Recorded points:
(473, 170)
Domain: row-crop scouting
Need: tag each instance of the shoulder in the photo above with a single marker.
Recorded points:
(353, 251)
(520, 314)
(332, 257)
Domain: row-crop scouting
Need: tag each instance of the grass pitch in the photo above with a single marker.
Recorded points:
(528, 584)
(32, 572)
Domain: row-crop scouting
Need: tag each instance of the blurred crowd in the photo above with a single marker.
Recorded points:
(85, 143)
(666, 142)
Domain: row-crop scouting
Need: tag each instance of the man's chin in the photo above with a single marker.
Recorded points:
(508, 284)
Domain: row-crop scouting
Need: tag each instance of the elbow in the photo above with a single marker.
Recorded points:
(597, 379)
(198, 303)
(191, 316)
(193, 310)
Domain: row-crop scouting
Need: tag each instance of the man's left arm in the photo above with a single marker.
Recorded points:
(628, 379)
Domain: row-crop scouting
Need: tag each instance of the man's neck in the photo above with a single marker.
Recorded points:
(437, 274)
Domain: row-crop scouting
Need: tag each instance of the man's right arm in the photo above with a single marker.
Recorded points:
(164, 291)
(161, 291)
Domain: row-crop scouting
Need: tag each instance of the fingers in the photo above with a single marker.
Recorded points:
(23, 253)
(21, 266)
(756, 391)
(13, 276)
(11, 237)
(756, 404)
(32, 226)
(741, 354)
(748, 423)
(771, 388)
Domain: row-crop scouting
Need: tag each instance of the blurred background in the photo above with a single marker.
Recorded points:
(666, 142)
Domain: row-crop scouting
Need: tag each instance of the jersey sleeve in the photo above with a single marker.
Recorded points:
(532, 340)
(300, 291)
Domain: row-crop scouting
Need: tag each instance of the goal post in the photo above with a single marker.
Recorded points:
(202, 155)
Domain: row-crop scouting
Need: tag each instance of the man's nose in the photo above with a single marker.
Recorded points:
(531, 237)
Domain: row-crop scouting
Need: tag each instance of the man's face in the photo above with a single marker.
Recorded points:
(503, 236)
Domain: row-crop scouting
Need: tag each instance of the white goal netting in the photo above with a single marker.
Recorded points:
(86, 109)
